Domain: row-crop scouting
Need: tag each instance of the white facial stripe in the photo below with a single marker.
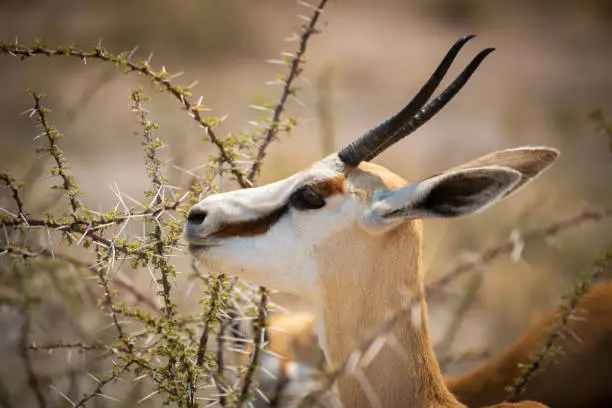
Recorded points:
(249, 204)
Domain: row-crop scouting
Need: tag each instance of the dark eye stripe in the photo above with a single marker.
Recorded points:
(251, 228)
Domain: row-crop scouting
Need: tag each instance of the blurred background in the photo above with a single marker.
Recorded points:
(551, 69)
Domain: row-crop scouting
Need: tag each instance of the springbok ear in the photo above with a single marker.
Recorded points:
(529, 161)
(451, 194)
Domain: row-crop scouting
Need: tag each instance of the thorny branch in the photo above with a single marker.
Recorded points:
(215, 300)
(153, 165)
(61, 169)
(354, 359)
(443, 348)
(160, 78)
(219, 373)
(117, 280)
(559, 325)
(262, 315)
(108, 301)
(84, 225)
(102, 383)
(33, 380)
(66, 346)
(78, 226)
(88, 226)
(14, 187)
(296, 62)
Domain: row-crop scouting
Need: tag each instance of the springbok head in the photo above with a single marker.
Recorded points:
(273, 235)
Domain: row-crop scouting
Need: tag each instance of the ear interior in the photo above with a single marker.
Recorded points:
(447, 195)
(462, 192)
(529, 161)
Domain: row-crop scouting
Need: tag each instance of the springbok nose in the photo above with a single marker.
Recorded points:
(196, 216)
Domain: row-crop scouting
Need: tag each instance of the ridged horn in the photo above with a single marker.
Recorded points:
(415, 113)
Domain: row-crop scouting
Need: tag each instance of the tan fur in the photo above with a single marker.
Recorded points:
(370, 176)
(375, 275)
(330, 186)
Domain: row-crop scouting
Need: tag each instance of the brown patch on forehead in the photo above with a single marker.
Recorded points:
(329, 186)
(368, 177)
(250, 228)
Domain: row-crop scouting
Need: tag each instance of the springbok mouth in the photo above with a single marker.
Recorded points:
(199, 244)
(199, 247)
(194, 249)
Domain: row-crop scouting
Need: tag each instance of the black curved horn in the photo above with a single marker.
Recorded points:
(413, 115)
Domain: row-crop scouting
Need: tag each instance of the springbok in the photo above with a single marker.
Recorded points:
(346, 235)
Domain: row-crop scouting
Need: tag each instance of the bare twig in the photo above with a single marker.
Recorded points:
(493, 252)
(467, 299)
(467, 356)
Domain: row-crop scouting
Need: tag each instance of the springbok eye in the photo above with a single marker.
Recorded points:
(306, 199)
